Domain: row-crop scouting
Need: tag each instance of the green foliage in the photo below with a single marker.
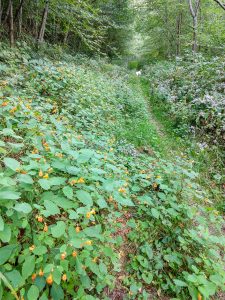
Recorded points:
(66, 182)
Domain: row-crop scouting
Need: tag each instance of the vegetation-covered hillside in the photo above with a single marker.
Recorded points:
(84, 216)
(112, 134)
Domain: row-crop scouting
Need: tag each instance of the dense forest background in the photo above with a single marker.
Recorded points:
(148, 29)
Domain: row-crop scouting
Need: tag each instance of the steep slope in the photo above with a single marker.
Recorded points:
(75, 193)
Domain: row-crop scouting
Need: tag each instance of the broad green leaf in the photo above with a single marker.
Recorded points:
(45, 184)
(15, 278)
(25, 178)
(23, 208)
(84, 197)
(5, 235)
(180, 283)
(1, 224)
(93, 231)
(28, 267)
(5, 253)
(102, 203)
(56, 181)
(51, 208)
(57, 292)
(85, 155)
(59, 229)
(33, 293)
(9, 195)
(11, 163)
(147, 278)
(68, 192)
(40, 250)
(155, 213)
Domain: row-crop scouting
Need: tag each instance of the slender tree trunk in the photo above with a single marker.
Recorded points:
(43, 23)
(7, 13)
(194, 13)
(11, 27)
(36, 20)
(179, 24)
(1, 12)
(20, 17)
(66, 37)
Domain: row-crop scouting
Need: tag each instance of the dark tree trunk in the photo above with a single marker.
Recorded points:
(43, 23)
(179, 24)
(11, 25)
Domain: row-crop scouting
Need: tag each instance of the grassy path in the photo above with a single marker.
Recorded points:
(169, 145)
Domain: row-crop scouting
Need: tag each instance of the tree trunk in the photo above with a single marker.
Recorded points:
(194, 13)
(179, 24)
(195, 28)
(43, 23)
(11, 29)
(1, 12)
(65, 37)
(20, 17)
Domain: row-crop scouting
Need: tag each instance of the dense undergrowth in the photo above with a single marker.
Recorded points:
(70, 173)
(187, 97)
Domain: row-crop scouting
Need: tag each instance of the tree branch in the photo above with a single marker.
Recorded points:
(220, 4)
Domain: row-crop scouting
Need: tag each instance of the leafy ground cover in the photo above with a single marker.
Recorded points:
(84, 213)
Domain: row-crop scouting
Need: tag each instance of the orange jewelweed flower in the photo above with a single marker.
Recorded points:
(63, 255)
(74, 254)
(33, 277)
(49, 279)
(64, 277)
(31, 248)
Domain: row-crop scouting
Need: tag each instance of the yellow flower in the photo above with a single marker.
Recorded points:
(158, 176)
(89, 243)
(122, 190)
(46, 176)
(88, 215)
(72, 182)
(77, 229)
(64, 277)
(81, 180)
(31, 248)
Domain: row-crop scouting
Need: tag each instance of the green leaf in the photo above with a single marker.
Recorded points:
(40, 250)
(147, 277)
(1, 224)
(5, 235)
(11, 163)
(85, 155)
(5, 253)
(25, 178)
(84, 197)
(57, 181)
(28, 267)
(57, 292)
(15, 278)
(51, 208)
(102, 203)
(44, 183)
(58, 229)
(180, 283)
(9, 195)
(23, 208)
(68, 192)
(155, 213)
(93, 231)
(33, 293)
